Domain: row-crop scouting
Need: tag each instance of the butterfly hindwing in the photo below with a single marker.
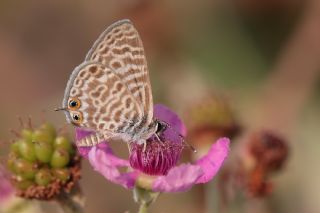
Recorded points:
(120, 48)
(105, 104)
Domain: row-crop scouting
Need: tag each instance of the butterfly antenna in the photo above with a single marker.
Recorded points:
(60, 109)
(187, 144)
(182, 138)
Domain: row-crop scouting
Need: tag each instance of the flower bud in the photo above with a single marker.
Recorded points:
(43, 151)
(43, 177)
(26, 150)
(62, 174)
(25, 169)
(27, 135)
(64, 143)
(60, 158)
(43, 164)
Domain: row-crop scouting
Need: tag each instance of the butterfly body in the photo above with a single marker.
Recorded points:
(110, 92)
(137, 134)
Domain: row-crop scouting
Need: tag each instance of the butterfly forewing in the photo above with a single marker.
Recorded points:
(120, 48)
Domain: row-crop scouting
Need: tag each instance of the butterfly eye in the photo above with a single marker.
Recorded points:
(77, 118)
(74, 103)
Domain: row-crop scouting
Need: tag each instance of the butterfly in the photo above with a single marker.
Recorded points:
(110, 92)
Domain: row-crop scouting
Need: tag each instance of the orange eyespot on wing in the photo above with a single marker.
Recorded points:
(74, 104)
(77, 118)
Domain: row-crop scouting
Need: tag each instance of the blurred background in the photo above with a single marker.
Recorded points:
(262, 55)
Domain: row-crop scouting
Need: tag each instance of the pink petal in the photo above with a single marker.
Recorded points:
(6, 189)
(183, 177)
(179, 179)
(105, 162)
(212, 162)
(82, 133)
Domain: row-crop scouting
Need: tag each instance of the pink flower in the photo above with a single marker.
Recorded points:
(159, 157)
(156, 166)
(6, 189)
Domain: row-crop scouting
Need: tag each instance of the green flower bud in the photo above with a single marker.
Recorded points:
(49, 129)
(43, 151)
(24, 184)
(60, 158)
(26, 150)
(42, 136)
(27, 135)
(14, 148)
(64, 143)
(11, 161)
(25, 169)
(62, 174)
(43, 177)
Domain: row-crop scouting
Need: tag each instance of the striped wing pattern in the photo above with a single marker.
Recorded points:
(113, 87)
(120, 48)
(107, 106)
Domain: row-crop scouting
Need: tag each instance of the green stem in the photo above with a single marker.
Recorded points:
(144, 197)
(143, 208)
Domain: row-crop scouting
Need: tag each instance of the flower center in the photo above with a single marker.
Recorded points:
(157, 158)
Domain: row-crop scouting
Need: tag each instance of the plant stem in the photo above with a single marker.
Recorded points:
(72, 202)
(69, 206)
(143, 207)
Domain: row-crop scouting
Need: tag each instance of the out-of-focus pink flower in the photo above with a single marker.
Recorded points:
(6, 189)
(158, 160)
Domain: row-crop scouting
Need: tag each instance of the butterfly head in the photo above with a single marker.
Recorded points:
(160, 126)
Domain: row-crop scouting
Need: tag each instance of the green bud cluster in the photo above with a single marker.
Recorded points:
(39, 157)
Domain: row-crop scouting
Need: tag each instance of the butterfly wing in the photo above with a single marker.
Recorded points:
(120, 48)
(104, 103)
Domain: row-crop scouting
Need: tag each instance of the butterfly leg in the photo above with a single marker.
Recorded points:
(157, 136)
(144, 146)
(161, 127)
(144, 142)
